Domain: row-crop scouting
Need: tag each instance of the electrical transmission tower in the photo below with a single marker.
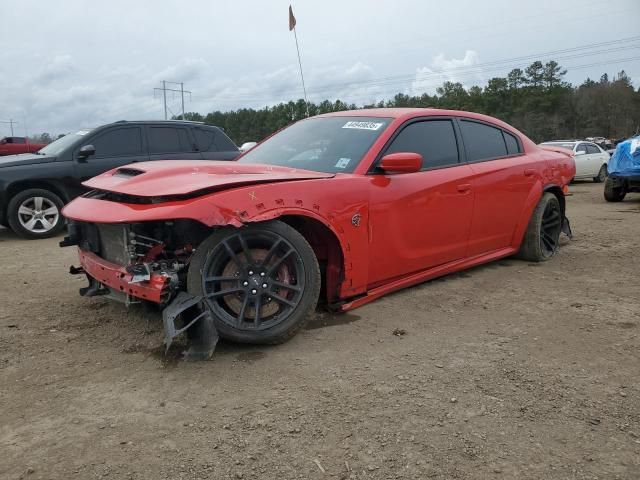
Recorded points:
(164, 91)
(11, 121)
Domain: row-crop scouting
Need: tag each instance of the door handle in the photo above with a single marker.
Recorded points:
(465, 187)
(528, 172)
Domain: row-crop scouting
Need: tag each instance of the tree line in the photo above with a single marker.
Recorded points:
(536, 100)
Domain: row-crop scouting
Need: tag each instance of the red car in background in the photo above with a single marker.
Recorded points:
(15, 145)
(348, 206)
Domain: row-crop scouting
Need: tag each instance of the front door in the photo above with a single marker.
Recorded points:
(114, 148)
(420, 220)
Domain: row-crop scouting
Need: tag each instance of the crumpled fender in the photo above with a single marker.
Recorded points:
(344, 212)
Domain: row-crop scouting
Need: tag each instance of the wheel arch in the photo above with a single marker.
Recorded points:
(557, 191)
(327, 248)
(534, 197)
(52, 186)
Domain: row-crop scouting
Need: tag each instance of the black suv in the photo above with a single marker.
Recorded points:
(34, 187)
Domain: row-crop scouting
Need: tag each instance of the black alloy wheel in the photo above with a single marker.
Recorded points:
(550, 228)
(259, 282)
(542, 238)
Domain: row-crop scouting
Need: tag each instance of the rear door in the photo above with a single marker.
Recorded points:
(503, 177)
(115, 147)
(168, 142)
(596, 158)
(420, 220)
(583, 168)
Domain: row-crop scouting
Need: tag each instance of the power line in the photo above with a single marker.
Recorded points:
(11, 121)
(503, 63)
(164, 91)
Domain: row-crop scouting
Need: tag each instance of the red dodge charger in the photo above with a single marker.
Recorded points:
(346, 206)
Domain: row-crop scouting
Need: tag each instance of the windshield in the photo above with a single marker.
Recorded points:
(324, 144)
(54, 148)
(568, 145)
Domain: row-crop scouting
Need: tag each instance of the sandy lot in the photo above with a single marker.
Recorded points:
(510, 370)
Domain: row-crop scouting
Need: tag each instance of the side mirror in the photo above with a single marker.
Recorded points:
(580, 152)
(401, 162)
(86, 151)
(246, 146)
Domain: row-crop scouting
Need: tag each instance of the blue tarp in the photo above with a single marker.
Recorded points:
(626, 159)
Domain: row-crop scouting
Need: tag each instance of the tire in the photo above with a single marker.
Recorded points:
(27, 214)
(269, 264)
(613, 193)
(540, 241)
(602, 175)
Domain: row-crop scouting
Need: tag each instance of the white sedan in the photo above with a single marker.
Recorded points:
(591, 160)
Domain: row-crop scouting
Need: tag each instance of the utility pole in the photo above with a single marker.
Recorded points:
(164, 90)
(11, 121)
(182, 97)
(164, 94)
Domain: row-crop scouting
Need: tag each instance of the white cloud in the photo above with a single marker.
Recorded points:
(441, 70)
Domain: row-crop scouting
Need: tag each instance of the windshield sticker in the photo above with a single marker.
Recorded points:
(82, 132)
(343, 162)
(363, 125)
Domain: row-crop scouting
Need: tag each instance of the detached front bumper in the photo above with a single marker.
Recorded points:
(118, 279)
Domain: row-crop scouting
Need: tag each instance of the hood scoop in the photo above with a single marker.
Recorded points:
(127, 172)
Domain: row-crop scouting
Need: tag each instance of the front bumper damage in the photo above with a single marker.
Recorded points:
(144, 281)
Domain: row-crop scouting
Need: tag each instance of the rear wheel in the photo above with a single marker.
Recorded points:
(260, 282)
(35, 213)
(541, 239)
(602, 175)
(613, 192)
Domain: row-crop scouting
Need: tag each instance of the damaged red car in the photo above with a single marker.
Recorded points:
(343, 207)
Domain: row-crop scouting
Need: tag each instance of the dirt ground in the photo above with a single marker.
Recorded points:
(510, 370)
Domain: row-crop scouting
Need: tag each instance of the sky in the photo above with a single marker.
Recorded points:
(76, 64)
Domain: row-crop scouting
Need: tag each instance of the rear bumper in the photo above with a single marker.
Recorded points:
(629, 182)
(118, 279)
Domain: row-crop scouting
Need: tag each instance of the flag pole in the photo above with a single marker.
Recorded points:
(292, 23)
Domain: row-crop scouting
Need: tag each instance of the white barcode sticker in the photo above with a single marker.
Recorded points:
(363, 125)
(343, 162)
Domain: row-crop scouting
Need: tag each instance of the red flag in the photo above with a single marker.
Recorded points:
(292, 19)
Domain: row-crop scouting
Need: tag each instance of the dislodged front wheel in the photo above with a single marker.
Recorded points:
(260, 282)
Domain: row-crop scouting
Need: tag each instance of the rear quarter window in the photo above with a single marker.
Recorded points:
(481, 141)
(513, 146)
(204, 138)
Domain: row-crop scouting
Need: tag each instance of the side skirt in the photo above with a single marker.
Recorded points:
(425, 275)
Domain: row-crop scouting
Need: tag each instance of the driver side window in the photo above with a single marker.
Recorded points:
(435, 140)
(118, 142)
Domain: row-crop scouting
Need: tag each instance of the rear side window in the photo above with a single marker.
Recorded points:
(482, 142)
(118, 142)
(169, 140)
(435, 140)
(592, 149)
(204, 139)
(224, 143)
(513, 147)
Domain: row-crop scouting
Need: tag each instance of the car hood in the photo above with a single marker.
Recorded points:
(183, 177)
(24, 159)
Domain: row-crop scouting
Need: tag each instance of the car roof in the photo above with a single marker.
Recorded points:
(161, 122)
(409, 113)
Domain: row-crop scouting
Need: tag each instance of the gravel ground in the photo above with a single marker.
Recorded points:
(510, 370)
